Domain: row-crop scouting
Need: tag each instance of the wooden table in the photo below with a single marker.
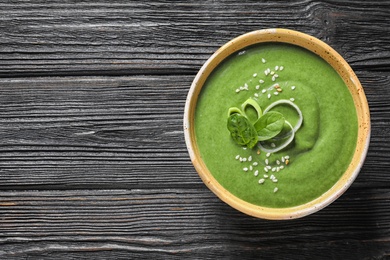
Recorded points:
(93, 163)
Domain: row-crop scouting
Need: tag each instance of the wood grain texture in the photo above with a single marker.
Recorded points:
(94, 132)
(93, 163)
(177, 223)
(164, 37)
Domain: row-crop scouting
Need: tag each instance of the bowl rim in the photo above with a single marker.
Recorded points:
(349, 77)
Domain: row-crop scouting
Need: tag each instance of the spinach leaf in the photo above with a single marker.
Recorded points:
(241, 130)
(269, 125)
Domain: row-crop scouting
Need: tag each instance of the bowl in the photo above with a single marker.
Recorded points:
(336, 61)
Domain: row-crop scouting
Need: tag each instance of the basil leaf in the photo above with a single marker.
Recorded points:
(269, 125)
(241, 130)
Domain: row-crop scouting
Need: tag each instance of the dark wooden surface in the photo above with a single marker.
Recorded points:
(93, 163)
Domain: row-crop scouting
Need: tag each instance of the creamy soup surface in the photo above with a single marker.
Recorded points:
(322, 147)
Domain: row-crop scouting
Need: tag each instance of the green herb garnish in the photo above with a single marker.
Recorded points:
(241, 130)
(269, 125)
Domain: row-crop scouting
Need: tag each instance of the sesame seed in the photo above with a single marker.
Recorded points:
(256, 173)
(256, 95)
(245, 169)
(244, 159)
(255, 163)
(257, 87)
(268, 154)
(283, 159)
(272, 177)
(254, 75)
(276, 189)
(273, 78)
(287, 157)
(276, 93)
(261, 181)
(276, 67)
(277, 169)
(268, 167)
(279, 90)
(287, 161)
(241, 88)
(246, 86)
(276, 75)
(292, 99)
(258, 152)
(265, 169)
(275, 180)
(281, 68)
(250, 158)
(263, 91)
(250, 168)
(263, 60)
(266, 72)
(241, 159)
(277, 162)
(261, 81)
(272, 72)
(266, 161)
(281, 167)
(237, 156)
(265, 176)
(293, 87)
(274, 169)
(269, 96)
(273, 145)
(237, 90)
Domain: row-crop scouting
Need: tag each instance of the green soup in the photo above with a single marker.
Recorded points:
(322, 148)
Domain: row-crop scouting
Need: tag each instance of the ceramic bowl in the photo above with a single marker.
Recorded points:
(344, 70)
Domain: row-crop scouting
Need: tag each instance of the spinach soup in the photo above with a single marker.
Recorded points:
(275, 125)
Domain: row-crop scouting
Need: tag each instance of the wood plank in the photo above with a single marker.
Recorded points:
(177, 223)
(124, 132)
(57, 130)
(130, 38)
